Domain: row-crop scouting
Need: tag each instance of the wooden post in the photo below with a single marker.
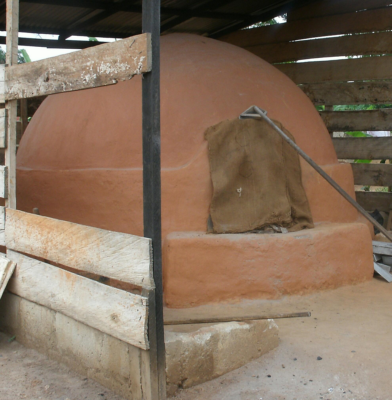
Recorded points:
(11, 106)
(152, 199)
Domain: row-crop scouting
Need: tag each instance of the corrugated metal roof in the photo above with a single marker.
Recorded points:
(110, 18)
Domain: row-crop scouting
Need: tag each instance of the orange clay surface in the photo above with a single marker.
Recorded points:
(80, 157)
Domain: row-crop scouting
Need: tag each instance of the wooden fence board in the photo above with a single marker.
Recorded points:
(353, 45)
(369, 21)
(336, 93)
(333, 7)
(116, 312)
(111, 254)
(368, 120)
(7, 268)
(3, 181)
(3, 128)
(372, 174)
(359, 69)
(371, 201)
(376, 148)
(2, 83)
(93, 67)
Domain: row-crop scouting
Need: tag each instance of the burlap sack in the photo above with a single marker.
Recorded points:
(256, 178)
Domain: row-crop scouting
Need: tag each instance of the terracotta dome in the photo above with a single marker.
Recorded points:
(80, 157)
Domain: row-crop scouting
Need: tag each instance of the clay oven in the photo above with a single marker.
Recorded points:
(80, 160)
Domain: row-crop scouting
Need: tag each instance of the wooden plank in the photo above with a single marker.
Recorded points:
(332, 7)
(362, 22)
(3, 181)
(101, 65)
(3, 128)
(353, 45)
(368, 120)
(7, 268)
(2, 83)
(12, 17)
(359, 69)
(371, 201)
(118, 313)
(111, 254)
(365, 148)
(349, 92)
(386, 275)
(372, 174)
(382, 248)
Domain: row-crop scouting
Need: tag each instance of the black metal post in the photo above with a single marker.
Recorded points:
(152, 196)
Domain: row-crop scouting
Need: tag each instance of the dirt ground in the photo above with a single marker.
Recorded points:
(26, 374)
(343, 351)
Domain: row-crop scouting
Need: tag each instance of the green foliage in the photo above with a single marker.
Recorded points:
(92, 39)
(23, 56)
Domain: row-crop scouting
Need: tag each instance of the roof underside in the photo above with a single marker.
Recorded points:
(119, 19)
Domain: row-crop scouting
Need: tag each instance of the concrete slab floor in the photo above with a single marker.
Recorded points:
(343, 351)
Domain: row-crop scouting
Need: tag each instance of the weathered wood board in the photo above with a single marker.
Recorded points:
(361, 22)
(337, 93)
(3, 128)
(7, 268)
(116, 312)
(372, 174)
(3, 182)
(369, 120)
(2, 83)
(333, 7)
(359, 69)
(382, 248)
(364, 148)
(115, 255)
(382, 272)
(371, 201)
(352, 45)
(93, 67)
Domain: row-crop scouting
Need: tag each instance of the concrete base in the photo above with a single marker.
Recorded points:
(204, 268)
(195, 353)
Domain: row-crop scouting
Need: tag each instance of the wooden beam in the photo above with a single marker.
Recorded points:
(118, 313)
(359, 69)
(372, 174)
(349, 93)
(12, 18)
(353, 45)
(3, 128)
(111, 254)
(369, 21)
(97, 66)
(4, 192)
(371, 201)
(155, 362)
(323, 8)
(364, 148)
(368, 120)
(55, 44)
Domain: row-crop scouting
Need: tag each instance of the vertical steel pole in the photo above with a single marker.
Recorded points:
(152, 196)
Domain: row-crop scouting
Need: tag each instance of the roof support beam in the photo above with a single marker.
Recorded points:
(192, 12)
(127, 7)
(262, 15)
